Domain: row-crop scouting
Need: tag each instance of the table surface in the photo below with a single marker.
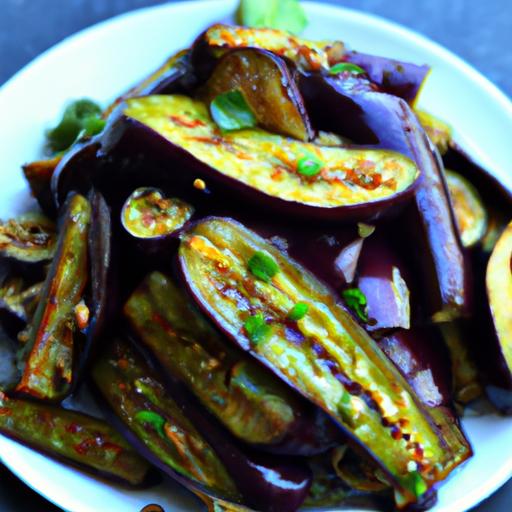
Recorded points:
(477, 31)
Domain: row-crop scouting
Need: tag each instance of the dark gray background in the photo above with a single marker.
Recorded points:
(480, 31)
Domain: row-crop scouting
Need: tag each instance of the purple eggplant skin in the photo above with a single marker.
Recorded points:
(76, 171)
(248, 400)
(421, 357)
(125, 131)
(402, 79)
(382, 277)
(260, 481)
(154, 221)
(175, 75)
(77, 439)
(349, 106)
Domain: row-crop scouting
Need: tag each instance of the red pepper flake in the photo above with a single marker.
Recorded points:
(82, 314)
(123, 364)
(73, 428)
(396, 433)
(5, 411)
(187, 123)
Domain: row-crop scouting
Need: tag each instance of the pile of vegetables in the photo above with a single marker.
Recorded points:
(281, 281)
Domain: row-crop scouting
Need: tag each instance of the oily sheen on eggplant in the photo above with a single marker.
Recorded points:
(351, 184)
(325, 355)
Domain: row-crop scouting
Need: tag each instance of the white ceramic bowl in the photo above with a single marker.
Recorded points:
(104, 60)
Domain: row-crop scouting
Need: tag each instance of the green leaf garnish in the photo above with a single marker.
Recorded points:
(231, 112)
(279, 14)
(309, 165)
(73, 122)
(263, 266)
(93, 125)
(365, 230)
(299, 311)
(153, 419)
(355, 299)
(416, 483)
(346, 67)
(256, 328)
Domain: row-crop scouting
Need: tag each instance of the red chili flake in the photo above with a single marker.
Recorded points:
(396, 433)
(187, 123)
(5, 411)
(123, 364)
(73, 428)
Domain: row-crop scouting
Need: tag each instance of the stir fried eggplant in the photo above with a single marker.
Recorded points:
(29, 239)
(267, 86)
(251, 300)
(175, 435)
(254, 405)
(296, 178)
(81, 440)
(348, 105)
(61, 315)
(499, 292)
(153, 219)
(247, 216)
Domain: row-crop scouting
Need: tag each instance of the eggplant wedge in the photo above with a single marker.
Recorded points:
(153, 220)
(28, 239)
(61, 316)
(291, 177)
(419, 355)
(439, 132)
(349, 106)
(470, 212)
(499, 293)
(395, 77)
(382, 281)
(174, 75)
(324, 354)
(466, 383)
(249, 401)
(268, 88)
(178, 437)
(219, 39)
(39, 177)
(72, 437)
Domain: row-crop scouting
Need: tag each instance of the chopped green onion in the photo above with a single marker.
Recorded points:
(153, 419)
(299, 311)
(256, 328)
(346, 67)
(263, 266)
(309, 166)
(231, 112)
(77, 116)
(417, 484)
(365, 230)
(279, 14)
(355, 299)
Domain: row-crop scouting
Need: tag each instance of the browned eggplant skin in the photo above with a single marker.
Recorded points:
(349, 106)
(247, 399)
(55, 335)
(198, 241)
(75, 438)
(39, 176)
(267, 86)
(257, 480)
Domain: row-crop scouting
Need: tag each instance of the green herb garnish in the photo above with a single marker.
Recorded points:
(256, 328)
(346, 67)
(153, 419)
(81, 116)
(231, 112)
(365, 230)
(299, 311)
(263, 266)
(416, 483)
(355, 299)
(309, 165)
(279, 14)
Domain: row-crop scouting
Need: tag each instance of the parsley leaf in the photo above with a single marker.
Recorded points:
(256, 328)
(263, 266)
(279, 14)
(231, 112)
(355, 299)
